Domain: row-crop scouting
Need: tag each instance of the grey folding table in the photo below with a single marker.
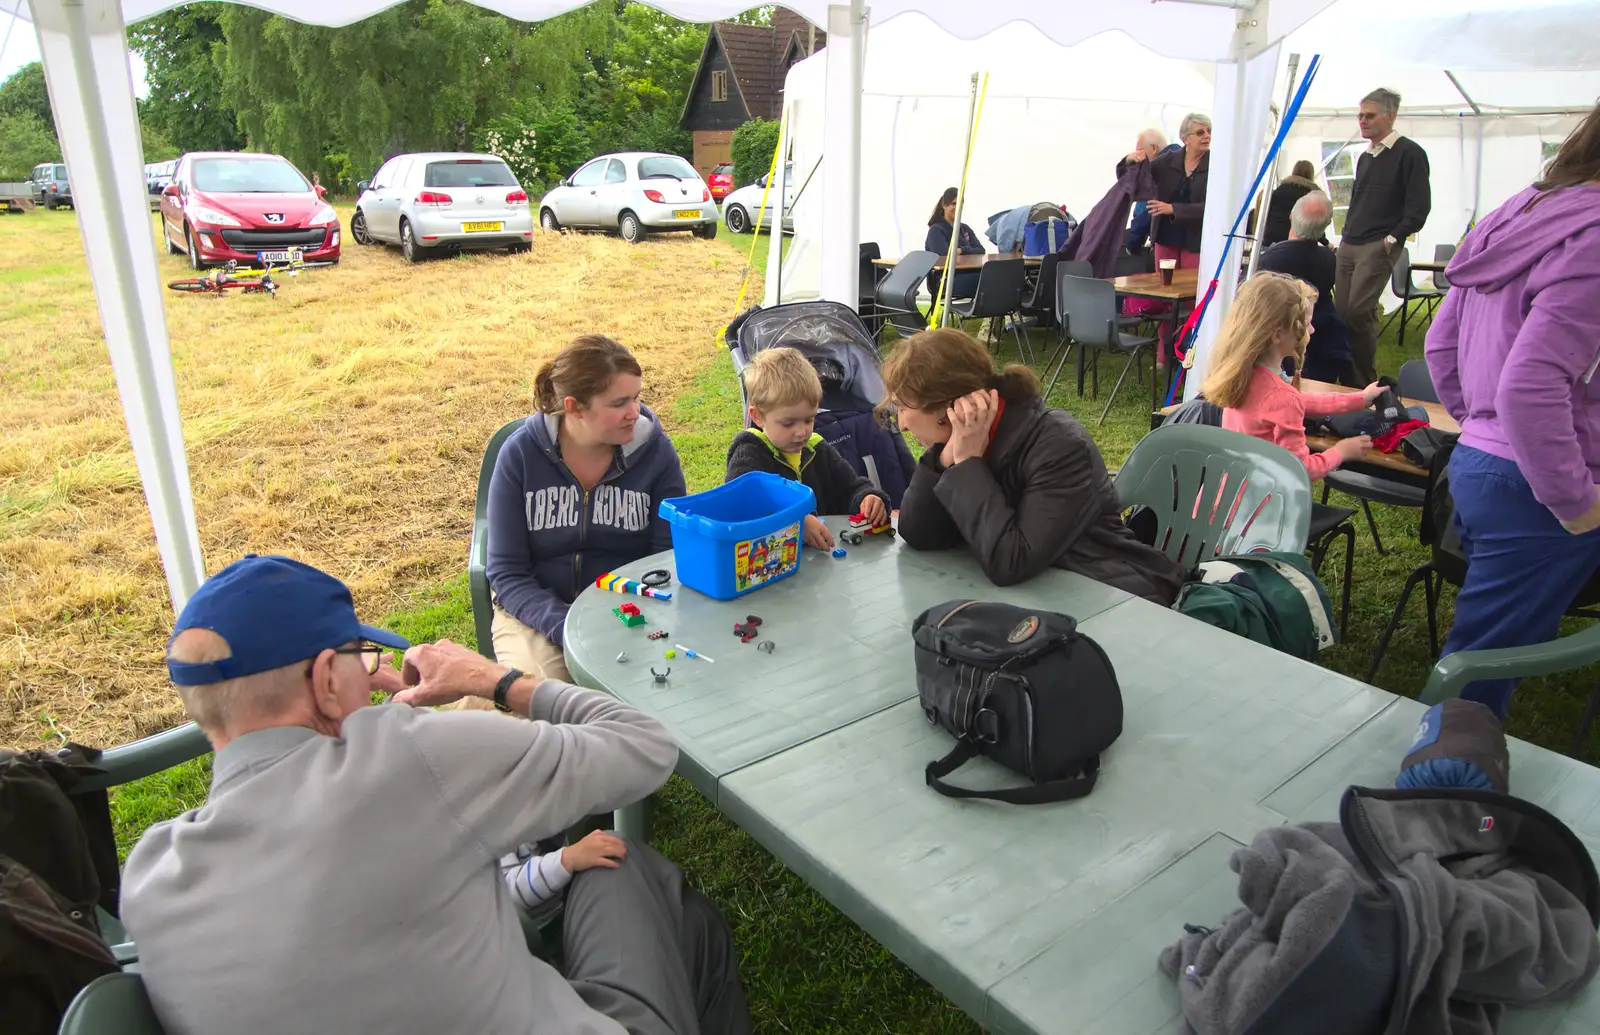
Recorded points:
(1030, 918)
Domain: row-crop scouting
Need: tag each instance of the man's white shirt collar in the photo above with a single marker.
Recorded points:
(1385, 144)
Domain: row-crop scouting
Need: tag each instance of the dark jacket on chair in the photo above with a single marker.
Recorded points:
(855, 435)
(839, 489)
(1040, 498)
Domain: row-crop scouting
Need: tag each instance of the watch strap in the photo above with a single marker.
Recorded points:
(504, 687)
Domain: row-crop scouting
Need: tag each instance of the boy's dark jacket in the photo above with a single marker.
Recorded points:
(839, 489)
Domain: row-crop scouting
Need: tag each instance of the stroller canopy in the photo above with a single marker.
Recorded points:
(825, 333)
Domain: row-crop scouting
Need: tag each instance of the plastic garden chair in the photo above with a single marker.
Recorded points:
(112, 1004)
(897, 293)
(1215, 492)
(1405, 289)
(478, 552)
(997, 296)
(1452, 674)
(1093, 322)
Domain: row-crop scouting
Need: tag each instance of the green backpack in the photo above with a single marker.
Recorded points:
(1271, 598)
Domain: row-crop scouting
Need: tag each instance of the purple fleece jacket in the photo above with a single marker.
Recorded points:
(1514, 346)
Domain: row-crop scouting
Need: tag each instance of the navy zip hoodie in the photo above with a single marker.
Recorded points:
(548, 539)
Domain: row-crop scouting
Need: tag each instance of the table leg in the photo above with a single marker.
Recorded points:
(633, 821)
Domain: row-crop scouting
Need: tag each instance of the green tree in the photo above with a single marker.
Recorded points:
(752, 146)
(157, 146)
(24, 93)
(25, 141)
(181, 50)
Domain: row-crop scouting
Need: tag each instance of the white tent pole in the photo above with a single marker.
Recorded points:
(773, 294)
(83, 44)
(846, 55)
(942, 311)
(1463, 92)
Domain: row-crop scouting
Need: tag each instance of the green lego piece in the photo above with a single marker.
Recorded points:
(629, 620)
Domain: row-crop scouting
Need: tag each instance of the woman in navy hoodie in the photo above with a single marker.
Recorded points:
(940, 227)
(576, 492)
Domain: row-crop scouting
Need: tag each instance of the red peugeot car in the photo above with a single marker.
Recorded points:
(721, 181)
(250, 208)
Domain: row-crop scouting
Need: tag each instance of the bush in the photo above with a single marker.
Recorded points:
(753, 145)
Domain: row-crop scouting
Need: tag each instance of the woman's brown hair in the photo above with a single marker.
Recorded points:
(582, 370)
(931, 370)
(1578, 160)
(1267, 304)
(1305, 170)
(946, 198)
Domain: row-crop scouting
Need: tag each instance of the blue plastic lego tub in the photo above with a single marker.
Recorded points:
(739, 536)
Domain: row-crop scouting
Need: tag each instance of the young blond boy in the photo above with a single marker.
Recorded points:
(784, 393)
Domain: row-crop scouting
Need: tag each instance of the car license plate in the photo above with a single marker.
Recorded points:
(292, 255)
(480, 228)
(686, 213)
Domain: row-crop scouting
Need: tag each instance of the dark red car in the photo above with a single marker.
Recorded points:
(721, 181)
(250, 208)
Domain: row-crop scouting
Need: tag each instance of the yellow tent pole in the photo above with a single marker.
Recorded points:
(755, 236)
(936, 314)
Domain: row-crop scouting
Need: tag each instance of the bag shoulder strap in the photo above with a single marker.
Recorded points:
(1036, 794)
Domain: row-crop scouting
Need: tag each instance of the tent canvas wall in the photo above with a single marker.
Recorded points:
(1054, 124)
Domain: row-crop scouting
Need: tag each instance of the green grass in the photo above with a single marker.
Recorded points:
(741, 244)
(806, 967)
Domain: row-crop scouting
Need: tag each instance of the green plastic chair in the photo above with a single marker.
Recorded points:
(478, 552)
(1452, 673)
(112, 1004)
(1216, 492)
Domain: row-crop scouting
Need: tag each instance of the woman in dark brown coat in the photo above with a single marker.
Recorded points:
(1021, 484)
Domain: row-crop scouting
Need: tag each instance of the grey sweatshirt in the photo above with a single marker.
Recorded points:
(1422, 912)
(351, 884)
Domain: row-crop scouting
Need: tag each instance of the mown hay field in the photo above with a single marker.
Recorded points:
(342, 423)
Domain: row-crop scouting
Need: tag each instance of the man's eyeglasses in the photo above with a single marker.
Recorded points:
(371, 656)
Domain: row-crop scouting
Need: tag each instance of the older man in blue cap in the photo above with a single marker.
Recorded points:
(343, 877)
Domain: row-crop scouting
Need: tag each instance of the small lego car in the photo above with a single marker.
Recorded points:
(860, 527)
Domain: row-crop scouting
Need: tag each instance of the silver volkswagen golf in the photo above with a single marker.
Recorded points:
(632, 194)
(443, 202)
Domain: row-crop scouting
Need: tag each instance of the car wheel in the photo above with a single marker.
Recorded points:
(521, 249)
(49, 204)
(358, 228)
(707, 232)
(630, 228)
(738, 219)
(194, 249)
(548, 221)
(408, 243)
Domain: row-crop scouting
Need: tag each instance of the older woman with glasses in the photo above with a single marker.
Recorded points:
(1180, 203)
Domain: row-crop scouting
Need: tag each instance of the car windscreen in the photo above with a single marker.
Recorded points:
(667, 167)
(248, 176)
(469, 172)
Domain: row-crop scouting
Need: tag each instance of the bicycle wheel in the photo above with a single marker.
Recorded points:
(195, 284)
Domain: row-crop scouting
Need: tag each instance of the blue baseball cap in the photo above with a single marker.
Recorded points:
(273, 612)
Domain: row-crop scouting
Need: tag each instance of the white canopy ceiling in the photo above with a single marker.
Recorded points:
(1175, 28)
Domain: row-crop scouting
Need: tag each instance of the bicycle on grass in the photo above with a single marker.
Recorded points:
(220, 281)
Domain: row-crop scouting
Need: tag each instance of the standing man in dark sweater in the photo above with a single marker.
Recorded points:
(1390, 202)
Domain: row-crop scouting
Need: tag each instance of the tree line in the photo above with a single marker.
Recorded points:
(424, 75)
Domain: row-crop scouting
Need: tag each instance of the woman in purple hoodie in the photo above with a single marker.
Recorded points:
(1513, 352)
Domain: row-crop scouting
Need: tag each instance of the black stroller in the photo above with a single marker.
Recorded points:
(832, 337)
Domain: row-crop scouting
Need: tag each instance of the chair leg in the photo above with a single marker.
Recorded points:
(1324, 493)
(1394, 620)
(1431, 589)
(1024, 346)
(1349, 575)
(1066, 353)
(1123, 377)
(1373, 525)
(1582, 735)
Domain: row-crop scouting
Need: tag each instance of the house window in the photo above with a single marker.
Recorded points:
(719, 86)
(1339, 167)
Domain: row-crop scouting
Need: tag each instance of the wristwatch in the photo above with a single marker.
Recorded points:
(503, 687)
(1391, 241)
